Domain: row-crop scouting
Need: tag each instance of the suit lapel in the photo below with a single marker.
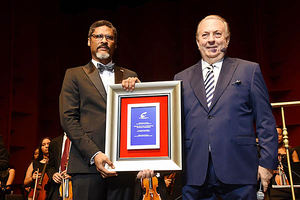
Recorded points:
(94, 76)
(227, 71)
(118, 74)
(197, 83)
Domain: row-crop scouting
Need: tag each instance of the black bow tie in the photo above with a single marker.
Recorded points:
(102, 67)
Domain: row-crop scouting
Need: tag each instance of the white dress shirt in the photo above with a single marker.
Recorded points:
(107, 78)
(216, 69)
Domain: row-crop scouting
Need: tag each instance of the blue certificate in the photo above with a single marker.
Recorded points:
(143, 126)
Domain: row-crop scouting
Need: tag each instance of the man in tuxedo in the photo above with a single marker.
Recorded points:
(83, 117)
(223, 99)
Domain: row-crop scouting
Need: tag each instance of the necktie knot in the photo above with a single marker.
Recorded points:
(210, 68)
(102, 67)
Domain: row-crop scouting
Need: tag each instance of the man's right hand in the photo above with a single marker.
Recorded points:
(264, 175)
(100, 160)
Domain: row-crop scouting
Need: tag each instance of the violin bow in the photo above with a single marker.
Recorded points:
(35, 184)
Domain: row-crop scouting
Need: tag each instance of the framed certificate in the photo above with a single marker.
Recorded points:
(143, 127)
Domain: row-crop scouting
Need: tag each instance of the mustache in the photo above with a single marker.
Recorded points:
(103, 46)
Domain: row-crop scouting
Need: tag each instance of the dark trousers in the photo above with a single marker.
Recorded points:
(214, 189)
(94, 187)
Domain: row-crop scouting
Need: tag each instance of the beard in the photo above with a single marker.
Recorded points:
(102, 55)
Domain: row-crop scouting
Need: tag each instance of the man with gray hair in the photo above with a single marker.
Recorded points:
(223, 98)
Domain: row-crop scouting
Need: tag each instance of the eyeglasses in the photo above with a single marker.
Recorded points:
(101, 36)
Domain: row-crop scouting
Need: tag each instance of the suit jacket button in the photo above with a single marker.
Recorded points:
(210, 117)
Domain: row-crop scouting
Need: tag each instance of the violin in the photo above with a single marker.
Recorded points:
(280, 177)
(150, 185)
(39, 192)
(65, 189)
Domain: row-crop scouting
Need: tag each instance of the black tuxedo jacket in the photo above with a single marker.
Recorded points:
(83, 113)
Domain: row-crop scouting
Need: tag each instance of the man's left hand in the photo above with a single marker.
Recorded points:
(129, 83)
(264, 175)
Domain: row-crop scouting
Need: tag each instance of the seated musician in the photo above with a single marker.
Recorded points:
(35, 156)
(281, 175)
(6, 174)
(35, 170)
(6, 180)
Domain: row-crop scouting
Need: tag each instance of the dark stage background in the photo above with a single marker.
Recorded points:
(41, 39)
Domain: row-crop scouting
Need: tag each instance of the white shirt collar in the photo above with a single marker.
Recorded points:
(217, 64)
(217, 68)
